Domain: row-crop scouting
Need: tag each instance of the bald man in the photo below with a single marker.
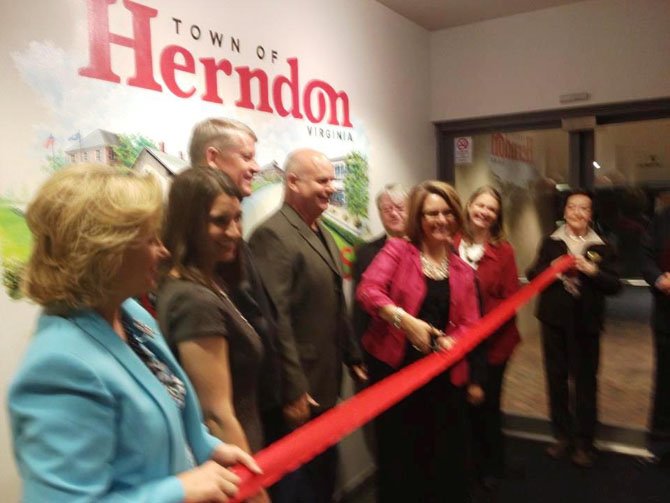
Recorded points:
(301, 267)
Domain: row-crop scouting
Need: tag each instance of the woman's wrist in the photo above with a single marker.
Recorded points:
(398, 314)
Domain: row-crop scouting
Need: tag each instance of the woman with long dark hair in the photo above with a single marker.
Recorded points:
(215, 344)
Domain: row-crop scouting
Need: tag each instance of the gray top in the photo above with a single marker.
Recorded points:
(187, 311)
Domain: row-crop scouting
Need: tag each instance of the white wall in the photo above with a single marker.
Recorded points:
(377, 57)
(617, 50)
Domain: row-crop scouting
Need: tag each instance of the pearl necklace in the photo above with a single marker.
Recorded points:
(434, 270)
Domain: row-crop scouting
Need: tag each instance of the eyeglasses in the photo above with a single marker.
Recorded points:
(433, 214)
(387, 210)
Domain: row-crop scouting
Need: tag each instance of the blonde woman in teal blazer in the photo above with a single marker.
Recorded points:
(100, 410)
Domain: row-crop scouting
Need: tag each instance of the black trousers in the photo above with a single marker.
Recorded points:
(659, 436)
(274, 428)
(487, 439)
(572, 355)
(421, 443)
(314, 482)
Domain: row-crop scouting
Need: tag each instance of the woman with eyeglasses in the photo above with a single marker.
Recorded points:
(483, 246)
(421, 296)
(215, 344)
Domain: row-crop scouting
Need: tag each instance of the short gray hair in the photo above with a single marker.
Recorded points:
(395, 191)
(214, 132)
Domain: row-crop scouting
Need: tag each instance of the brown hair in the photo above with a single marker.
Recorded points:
(192, 195)
(416, 198)
(497, 230)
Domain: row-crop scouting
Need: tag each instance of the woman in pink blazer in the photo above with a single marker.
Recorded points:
(421, 296)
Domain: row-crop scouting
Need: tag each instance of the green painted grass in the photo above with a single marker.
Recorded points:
(345, 246)
(15, 241)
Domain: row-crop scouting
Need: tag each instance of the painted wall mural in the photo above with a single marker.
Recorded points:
(131, 83)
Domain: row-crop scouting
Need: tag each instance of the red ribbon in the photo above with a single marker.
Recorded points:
(306, 442)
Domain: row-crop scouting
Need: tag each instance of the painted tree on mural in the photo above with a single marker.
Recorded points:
(129, 148)
(356, 186)
(55, 162)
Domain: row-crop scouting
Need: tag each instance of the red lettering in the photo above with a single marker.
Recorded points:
(245, 89)
(501, 146)
(100, 40)
(169, 66)
(292, 83)
(212, 67)
(319, 98)
(326, 90)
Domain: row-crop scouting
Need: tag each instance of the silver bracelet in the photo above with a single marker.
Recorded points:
(397, 316)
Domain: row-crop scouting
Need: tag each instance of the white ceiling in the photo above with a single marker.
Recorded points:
(439, 14)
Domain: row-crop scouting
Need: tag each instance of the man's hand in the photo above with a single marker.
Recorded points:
(298, 412)
(359, 373)
(474, 394)
(663, 283)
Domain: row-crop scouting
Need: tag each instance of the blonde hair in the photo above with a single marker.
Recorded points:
(215, 132)
(82, 221)
(497, 231)
(418, 195)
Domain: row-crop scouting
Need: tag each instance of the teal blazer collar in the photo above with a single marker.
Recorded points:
(97, 328)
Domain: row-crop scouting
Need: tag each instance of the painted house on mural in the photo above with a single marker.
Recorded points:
(159, 163)
(340, 166)
(269, 174)
(97, 146)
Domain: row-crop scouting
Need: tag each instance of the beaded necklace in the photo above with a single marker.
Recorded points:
(433, 270)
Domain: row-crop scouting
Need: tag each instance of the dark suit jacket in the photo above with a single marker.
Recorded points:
(304, 278)
(364, 255)
(253, 301)
(557, 307)
(656, 261)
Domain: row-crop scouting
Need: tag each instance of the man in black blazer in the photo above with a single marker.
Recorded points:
(392, 206)
(656, 271)
(301, 267)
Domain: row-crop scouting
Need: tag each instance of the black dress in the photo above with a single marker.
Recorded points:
(428, 462)
(187, 311)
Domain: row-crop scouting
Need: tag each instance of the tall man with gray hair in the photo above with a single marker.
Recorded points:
(300, 264)
(227, 145)
(230, 146)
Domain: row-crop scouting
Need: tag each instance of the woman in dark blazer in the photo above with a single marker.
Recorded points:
(484, 247)
(571, 312)
(421, 295)
(100, 410)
